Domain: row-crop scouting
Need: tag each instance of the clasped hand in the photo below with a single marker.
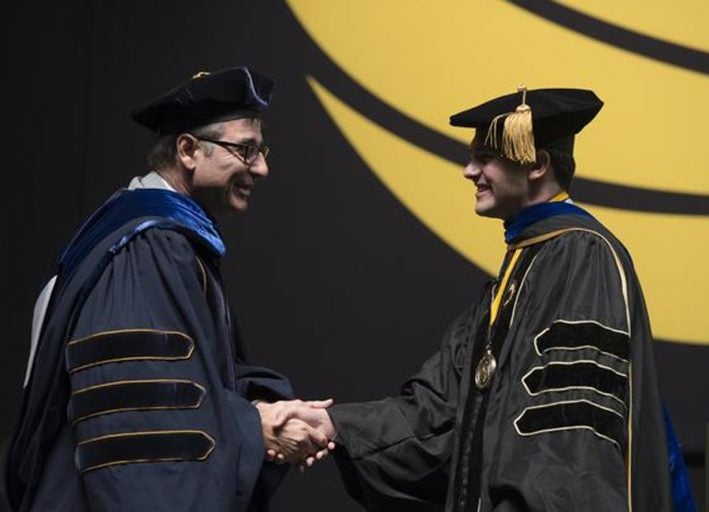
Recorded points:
(296, 431)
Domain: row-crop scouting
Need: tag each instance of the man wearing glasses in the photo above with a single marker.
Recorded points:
(136, 396)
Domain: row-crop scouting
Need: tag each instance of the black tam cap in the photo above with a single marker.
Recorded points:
(518, 123)
(206, 98)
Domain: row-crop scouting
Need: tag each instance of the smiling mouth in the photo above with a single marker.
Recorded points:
(482, 189)
(243, 190)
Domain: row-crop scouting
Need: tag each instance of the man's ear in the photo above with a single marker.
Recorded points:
(187, 148)
(542, 166)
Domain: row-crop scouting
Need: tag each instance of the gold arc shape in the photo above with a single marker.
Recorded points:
(650, 133)
(666, 250)
(429, 62)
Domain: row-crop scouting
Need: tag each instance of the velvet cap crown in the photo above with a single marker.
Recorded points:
(206, 98)
(556, 114)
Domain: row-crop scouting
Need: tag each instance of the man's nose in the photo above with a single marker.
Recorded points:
(471, 171)
(259, 168)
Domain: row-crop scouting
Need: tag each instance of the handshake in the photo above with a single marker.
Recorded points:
(296, 431)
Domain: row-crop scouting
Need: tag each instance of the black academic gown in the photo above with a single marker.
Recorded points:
(137, 399)
(572, 420)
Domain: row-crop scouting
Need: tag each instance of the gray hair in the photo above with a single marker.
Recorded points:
(163, 153)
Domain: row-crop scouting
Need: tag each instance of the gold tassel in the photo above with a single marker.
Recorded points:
(491, 137)
(517, 133)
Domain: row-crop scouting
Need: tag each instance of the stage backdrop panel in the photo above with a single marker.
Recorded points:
(363, 244)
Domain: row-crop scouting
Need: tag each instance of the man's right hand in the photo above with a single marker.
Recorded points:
(295, 431)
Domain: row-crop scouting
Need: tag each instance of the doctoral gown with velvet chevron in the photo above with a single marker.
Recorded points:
(138, 399)
(572, 420)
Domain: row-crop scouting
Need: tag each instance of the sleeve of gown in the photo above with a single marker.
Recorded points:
(562, 425)
(394, 454)
(258, 383)
(157, 415)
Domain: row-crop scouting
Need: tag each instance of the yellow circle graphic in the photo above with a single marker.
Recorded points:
(428, 60)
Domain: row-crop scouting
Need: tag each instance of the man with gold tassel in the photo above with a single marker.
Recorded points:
(544, 395)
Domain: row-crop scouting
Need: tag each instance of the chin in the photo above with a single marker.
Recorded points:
(237, 204)
(484, 210)
(489, 212)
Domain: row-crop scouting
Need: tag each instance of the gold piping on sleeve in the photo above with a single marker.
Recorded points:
(571, 388)
(580, 347)
(145, 408)
(211, 440)
(120, 331)
(132, 358)
(572, 427)
(624, 290)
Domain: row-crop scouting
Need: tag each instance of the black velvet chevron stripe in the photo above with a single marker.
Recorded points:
(134, 447)
(579, 374)
(117, 346)
(134, 395)
(562, 416)
(563, 335)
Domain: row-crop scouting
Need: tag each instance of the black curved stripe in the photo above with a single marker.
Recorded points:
(647, 46)
(134, 447)
(563, 416)
(581, 374)
(129, 345)
(638, 199)
(585, 190)
(134, 395)
(572, 336)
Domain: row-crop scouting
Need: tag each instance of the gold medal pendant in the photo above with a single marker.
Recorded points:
(485, 370)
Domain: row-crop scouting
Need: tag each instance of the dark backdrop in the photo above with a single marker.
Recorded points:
(334, 282)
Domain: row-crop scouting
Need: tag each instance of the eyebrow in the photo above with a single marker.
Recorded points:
(247, 140)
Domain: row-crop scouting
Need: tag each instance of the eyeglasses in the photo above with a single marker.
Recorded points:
(247, 153)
